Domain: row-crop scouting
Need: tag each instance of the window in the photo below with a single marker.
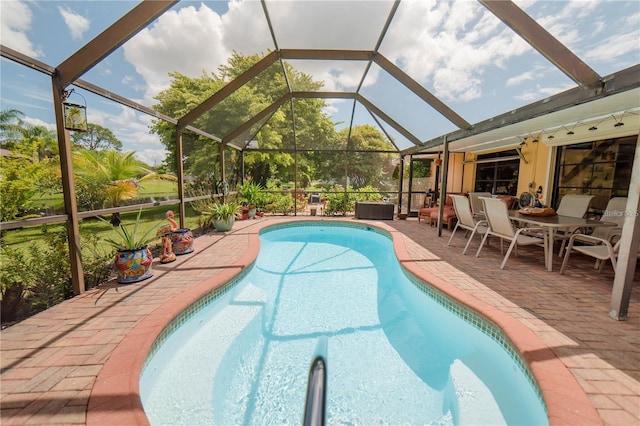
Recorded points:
(601, 168)
(498, 173)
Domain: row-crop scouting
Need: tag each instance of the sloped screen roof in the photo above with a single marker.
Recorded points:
(416, 70)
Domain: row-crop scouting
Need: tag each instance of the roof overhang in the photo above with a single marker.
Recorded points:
(550, 120)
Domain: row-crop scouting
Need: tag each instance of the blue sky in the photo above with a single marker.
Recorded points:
(457, 50)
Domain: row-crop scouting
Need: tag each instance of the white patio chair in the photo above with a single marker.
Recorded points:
(476, 203)
(572, 205)
(614, 212)
(500, 225)
(466, 219)
(599, 248)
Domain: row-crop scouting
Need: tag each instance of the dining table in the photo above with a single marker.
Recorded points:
(551, 224)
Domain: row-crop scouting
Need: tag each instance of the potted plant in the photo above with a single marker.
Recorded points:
(249, 193)
(133, 258)
(222, 215)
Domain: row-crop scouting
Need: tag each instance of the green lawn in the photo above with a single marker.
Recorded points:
(153, 217)
(156, 189)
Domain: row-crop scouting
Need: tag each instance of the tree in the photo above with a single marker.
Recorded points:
(38, 142)
(200, 155)
(115, 174)
(11, 127)
(96, 138)
(363, 168)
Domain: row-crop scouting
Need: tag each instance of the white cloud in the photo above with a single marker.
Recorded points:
(188, 41)
(541, 92)
(525, 76)
(15, 22)
(77, 24)
(192, 40)
(132, 129)
(152, 157)
(615, 47)
(37, 122)
(450, 45)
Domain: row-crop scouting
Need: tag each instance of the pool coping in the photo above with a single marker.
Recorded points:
(115, 396)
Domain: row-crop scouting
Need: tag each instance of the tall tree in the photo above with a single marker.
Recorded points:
(200, 155)
(96, 138)
(367, 168)
(11, 127)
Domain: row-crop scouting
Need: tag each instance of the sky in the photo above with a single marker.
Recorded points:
(457, 50)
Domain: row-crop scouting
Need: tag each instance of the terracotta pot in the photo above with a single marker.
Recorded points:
(182, 241)
(133, 265)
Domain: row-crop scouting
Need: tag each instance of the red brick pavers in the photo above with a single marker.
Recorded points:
(73, 363)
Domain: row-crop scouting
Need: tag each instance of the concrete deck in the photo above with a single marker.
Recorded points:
(78, 362)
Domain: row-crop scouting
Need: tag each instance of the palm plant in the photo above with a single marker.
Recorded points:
(119, 174)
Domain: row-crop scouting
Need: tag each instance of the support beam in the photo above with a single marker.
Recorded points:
(327, 54)
(180, 176)
(444, 170)
(111, 39)
(421, 92)
(257, 118)
(228, 89)
(371, 107)
(541, 40)
(629, 242)
(68, 190)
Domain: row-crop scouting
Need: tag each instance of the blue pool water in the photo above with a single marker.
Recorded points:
(395, 354)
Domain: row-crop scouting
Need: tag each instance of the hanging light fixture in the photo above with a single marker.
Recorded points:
(570, 131)
(618, 122)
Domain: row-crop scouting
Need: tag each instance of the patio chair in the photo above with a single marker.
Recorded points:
(466, 220)
(500, 225)
(599, 248)
(572, 205)
(614, 212)
(476, 203)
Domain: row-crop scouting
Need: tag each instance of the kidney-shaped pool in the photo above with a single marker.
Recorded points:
(399, 352)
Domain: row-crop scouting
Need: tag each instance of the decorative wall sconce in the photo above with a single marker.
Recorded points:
(592, 128)
(75, 115)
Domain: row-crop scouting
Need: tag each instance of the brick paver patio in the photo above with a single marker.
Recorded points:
(51, 362)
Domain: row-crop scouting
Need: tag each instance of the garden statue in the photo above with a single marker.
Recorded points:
(165, 231)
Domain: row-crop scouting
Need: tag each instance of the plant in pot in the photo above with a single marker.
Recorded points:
(249, 193)
(133, 258)
(222, 215)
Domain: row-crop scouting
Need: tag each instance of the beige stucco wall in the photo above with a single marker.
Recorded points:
(536, 170)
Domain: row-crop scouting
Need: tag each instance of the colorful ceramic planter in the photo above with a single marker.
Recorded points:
(133, 266)
(182, 241)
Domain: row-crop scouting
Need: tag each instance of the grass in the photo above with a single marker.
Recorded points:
(150, 189)
(20, 239)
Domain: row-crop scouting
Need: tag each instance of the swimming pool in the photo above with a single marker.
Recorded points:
(398, 352)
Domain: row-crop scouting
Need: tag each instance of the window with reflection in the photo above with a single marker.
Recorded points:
(600, 168)
(498, 173)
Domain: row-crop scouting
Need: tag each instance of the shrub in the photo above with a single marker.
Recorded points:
(39, 277)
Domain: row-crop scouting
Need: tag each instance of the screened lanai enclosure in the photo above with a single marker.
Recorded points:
(109, 107)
